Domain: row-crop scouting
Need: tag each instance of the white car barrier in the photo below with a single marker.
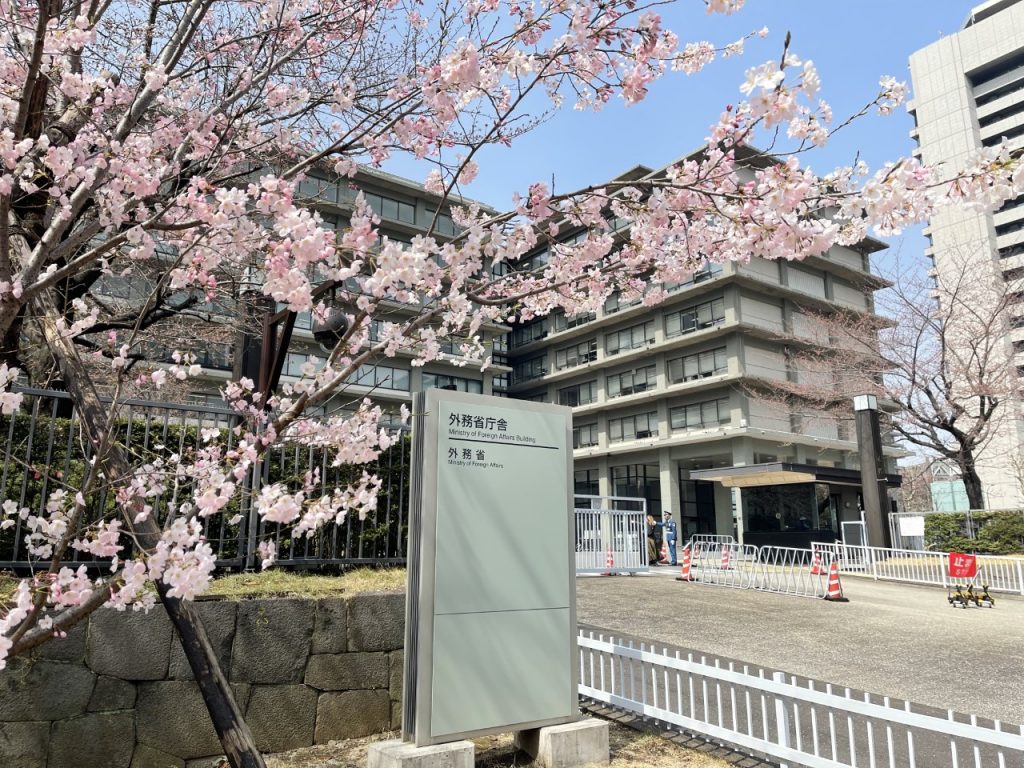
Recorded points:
(799, 723)
(782, 570)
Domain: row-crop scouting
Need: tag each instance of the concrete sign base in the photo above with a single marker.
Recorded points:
(402, 754)
(571, 745)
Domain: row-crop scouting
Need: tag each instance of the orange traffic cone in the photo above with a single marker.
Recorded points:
(835, 589)
(726, 558)
(816, 568)
(609, 563)
(685, 568)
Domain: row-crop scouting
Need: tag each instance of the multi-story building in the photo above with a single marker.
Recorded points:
(405, 209)
(969, 93)
(665, 399)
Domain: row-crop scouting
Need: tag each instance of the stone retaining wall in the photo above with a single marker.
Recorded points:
(118, 692)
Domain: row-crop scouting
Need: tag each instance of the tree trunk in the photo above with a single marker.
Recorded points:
(235, 736)
(972, 483)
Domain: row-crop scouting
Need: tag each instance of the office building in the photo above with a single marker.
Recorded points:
(968, 93)
(665, 398)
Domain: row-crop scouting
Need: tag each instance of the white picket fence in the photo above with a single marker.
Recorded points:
(797, 723)
(1001, 574)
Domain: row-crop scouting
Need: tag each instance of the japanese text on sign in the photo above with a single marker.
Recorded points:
(962, 566)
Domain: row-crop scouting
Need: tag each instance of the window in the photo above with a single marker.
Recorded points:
(1013, 133)
(381, 377)
(390, 208)
(584, 436)
(534, 397)
(530, 263)
(499, 384)
(564, 322)
(444, 224)
(638, 480)
(698, 366)
(212, 355)
(442, 380)
(633, 337)
(614, 303)
(631, 382)
(637, 427)
(695, 318)
(524, 334)
(533, 368)
(577, 354)
(707, 272)
(586, 482)
(710, 413)
(580, 394)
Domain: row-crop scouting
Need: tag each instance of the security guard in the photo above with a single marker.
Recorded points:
(669, 527)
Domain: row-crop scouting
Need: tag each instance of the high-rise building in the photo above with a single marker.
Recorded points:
(665, 398)
(968, 93)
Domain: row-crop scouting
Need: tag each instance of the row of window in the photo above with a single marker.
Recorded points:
(629, 338)
(631, 382)
(212, 355)
(344, 192)
(680, 369)
(703, 415)
(446, 381)
(578, 354)
(634, 337)
(1009, 135)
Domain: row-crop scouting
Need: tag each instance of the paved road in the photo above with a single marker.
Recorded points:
(892, 639)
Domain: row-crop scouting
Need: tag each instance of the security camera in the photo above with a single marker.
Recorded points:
(329, 331)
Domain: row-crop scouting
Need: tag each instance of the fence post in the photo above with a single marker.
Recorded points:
(945, 569)
(253, 518)
(781, 717)
(1020, 576)
(871, 553)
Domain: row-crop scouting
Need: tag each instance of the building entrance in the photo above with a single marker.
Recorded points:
(696, 508)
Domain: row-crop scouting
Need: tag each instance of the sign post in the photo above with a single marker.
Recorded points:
(491, 612)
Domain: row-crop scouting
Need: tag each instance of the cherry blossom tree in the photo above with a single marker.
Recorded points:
(936, 355)
(139, 133)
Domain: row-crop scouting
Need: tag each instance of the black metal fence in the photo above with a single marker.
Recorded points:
(46, 449)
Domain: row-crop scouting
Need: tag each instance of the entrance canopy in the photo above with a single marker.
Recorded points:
(783, 473)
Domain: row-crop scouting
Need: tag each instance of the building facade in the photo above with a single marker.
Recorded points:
(405, 209)
(666, 406)
(969, 93)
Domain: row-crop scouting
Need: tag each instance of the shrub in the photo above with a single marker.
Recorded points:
(947, 532)
(1002, 534)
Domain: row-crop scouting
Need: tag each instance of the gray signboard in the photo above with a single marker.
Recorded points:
(491, 613)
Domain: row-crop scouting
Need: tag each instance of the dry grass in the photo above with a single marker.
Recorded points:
(279, 583)
(629, 748)
(275, 583)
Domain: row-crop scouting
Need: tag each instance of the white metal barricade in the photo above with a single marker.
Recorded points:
(782, 570)
(611, 534)
(1001, 574)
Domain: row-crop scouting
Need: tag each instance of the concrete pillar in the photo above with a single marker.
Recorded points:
(737, 511)
(872, 471)
(668, 474)
(723, 510)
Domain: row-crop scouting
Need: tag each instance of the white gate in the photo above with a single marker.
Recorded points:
(611, 534)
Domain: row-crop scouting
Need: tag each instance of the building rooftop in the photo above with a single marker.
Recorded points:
(985, 10)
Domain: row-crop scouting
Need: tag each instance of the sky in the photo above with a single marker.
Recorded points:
(852, 42)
